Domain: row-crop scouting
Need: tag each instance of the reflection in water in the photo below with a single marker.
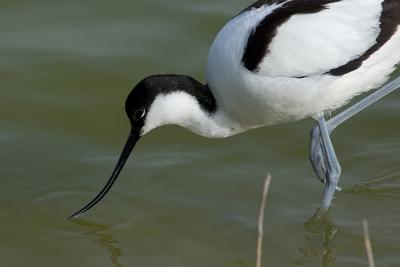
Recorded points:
(100, 236)
(321, 234)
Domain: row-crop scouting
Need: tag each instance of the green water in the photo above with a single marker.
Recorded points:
(182, 200)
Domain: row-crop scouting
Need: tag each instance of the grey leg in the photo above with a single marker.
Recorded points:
(362, 104)
(332, 166)
(318, 156)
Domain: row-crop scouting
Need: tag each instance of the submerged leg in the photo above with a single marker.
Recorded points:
(318, 156)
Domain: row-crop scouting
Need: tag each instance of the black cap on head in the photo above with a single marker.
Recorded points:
(144, 93)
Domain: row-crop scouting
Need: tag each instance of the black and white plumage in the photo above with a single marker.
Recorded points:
(293, 78)
(276, 61)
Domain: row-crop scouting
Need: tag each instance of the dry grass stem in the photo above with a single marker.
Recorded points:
(267, 182)
(368, 245)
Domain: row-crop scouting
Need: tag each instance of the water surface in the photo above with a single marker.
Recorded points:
(182, 200)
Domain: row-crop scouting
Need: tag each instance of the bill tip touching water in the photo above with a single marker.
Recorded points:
(272, 64)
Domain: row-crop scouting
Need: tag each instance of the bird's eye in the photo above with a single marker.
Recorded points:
(138, 114)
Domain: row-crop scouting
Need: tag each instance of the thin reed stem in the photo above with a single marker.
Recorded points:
(267, 182)
(368, 245)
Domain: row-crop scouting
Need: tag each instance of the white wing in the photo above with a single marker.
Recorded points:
(316, 43)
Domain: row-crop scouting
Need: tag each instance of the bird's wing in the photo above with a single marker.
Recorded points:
(312, 37)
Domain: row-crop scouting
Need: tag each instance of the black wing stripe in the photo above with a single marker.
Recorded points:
(260, 39)
(260, 3)
(389, 21)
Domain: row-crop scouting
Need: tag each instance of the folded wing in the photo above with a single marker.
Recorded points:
(305, 37)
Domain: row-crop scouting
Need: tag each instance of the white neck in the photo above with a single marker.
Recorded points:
(183, 109)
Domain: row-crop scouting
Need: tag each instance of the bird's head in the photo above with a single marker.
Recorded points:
(150, 105)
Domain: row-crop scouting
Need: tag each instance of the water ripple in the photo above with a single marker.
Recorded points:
(386, 184)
